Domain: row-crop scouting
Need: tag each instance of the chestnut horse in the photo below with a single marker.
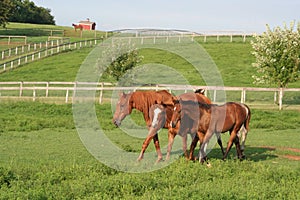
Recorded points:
(157, 109)
(210, 118)
(77, 26)
(142, 101)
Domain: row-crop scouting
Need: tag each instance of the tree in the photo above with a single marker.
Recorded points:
(5, 8)
(277, 55)
(121, 58)
(26, 11)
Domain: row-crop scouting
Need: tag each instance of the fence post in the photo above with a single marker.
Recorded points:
(47, 89)
(275, 97)
(34, 94)
(21, 89)
(280, 98)
(215, 95)
(101, 93)
(243, 96)
(67, 96)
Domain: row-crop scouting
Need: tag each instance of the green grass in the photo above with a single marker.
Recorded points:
(42, 156)
(49, 160)
(39, 33)
(62, 67)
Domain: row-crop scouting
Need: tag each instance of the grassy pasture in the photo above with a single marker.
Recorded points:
(43, 157)
(40, 33)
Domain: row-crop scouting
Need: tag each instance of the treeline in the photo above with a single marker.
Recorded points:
(24, 11)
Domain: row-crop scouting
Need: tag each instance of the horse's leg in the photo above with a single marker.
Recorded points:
(232, 138)
(151, 134)
(243, 139)
(202, 151)
(238, 147)
(157, 147)
(184, 145)
(192, 147)
(171, 136)
(220, 143)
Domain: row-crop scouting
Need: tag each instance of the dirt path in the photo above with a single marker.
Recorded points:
(288, 156)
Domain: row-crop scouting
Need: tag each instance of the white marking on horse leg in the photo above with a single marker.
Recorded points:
(244, 135)
(157, 111)
(200, 153)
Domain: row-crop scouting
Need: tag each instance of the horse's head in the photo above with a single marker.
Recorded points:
(176, 116)
(123, 108)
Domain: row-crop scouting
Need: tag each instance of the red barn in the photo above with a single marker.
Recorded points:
(87, 25)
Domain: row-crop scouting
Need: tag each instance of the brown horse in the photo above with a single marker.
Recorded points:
(156, 116)
(77, 26)
(143, 101)
(209, 119)
(188, 125)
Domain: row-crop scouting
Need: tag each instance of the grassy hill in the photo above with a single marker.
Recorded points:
(233, 59)
(39, 33)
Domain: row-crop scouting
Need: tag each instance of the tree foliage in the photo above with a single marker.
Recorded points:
(5, 7)
(26, 11)
(122, 57)
(277, 54)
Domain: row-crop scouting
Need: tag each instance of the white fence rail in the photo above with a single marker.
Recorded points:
(28, 48)
(48, 51)
(178, 38)
(67, 90)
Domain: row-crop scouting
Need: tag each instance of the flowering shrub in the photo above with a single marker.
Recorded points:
(277, 55)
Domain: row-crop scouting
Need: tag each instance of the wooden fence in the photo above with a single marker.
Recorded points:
(28, 48)
(48, 51)
(67, 91)
(180, 37)
(9, 37)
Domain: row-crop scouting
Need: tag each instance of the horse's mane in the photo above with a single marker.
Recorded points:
(195, 103)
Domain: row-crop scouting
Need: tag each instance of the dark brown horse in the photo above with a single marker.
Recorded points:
(188, 125)
(209, 119)
(157, 109)
(77, 26)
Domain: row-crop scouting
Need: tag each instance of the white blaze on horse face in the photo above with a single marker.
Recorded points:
(157, 111)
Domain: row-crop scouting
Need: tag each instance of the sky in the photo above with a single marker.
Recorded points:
(192, 15)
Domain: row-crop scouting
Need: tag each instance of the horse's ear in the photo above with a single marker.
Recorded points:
(121, 94)
(175, 100)
(200, 91)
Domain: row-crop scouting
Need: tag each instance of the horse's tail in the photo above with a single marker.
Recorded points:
(248, 117)
(245, 127)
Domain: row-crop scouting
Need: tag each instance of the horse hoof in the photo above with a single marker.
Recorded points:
(139, 159)
(208, 165)
(159, 160)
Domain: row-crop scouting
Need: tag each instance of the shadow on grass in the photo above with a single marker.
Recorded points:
(255, 154)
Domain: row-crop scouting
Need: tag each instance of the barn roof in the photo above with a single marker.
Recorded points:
(86, 22)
